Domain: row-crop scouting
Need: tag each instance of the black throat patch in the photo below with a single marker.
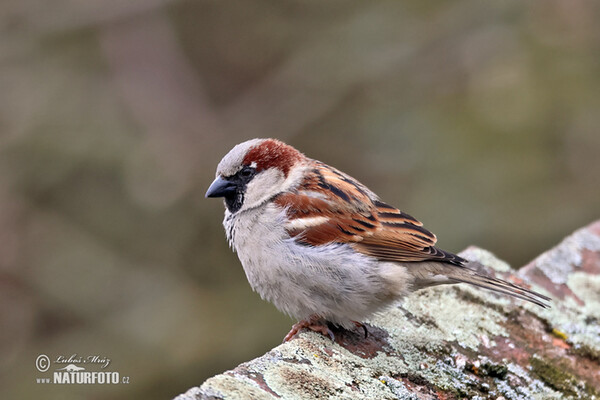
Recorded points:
(235, 200)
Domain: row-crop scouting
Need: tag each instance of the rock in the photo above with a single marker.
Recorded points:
(450, 342)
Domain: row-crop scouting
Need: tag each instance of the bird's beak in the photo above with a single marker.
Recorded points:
(221, 188)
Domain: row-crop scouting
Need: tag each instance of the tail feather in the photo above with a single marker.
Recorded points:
(504, 287)
(442, 273)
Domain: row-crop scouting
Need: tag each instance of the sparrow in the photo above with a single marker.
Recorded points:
(322, 247)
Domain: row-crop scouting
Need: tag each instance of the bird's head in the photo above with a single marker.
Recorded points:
(254, 172)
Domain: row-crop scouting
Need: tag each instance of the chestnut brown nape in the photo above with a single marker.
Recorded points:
(273, 153)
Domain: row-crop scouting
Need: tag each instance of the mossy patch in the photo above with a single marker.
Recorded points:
(586, 351)
(554, 376)
(487, 369)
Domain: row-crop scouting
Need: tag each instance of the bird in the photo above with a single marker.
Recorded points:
(324, 248)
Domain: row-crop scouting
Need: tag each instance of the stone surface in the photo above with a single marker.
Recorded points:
(451, 342)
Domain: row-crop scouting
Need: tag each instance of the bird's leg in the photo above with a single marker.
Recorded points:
(363, 326)
(314, 323)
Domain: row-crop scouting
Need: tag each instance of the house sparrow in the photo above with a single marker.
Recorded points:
(321, 246)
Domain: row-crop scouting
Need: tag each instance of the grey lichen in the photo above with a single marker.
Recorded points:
(558, 263)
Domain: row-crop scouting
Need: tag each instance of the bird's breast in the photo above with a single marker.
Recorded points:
(258, 237)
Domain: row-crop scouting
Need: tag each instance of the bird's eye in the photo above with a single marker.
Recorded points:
(246, 172)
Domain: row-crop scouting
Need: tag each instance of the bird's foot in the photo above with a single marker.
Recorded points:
(314, 323)
(363, 326)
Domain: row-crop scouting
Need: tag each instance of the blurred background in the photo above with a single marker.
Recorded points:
(482, 120)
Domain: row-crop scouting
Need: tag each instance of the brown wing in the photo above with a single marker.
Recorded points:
(331, 207)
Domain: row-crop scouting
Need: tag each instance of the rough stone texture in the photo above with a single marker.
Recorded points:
(451, 342)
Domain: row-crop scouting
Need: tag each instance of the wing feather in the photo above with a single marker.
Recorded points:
(342, 210)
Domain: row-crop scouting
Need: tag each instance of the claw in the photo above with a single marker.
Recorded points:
(328, 332)
(314, 323)
(363, 326)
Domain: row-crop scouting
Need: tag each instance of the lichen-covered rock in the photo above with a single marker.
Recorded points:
(450, 342)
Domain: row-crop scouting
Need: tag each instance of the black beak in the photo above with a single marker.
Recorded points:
(221, 188)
